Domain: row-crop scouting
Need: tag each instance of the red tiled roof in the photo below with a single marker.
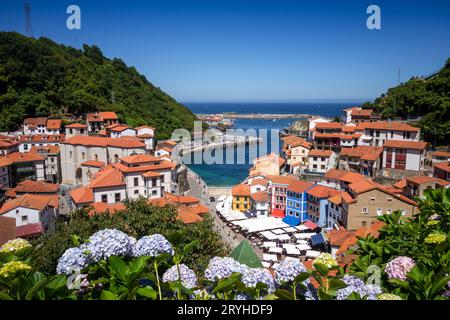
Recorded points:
(321, 192)
(31, 186)
(442, 154)
(445, 166)
(101, 207)
(363, 152)
(140, 158)
(151, 174)
(328, 125)
(260, 196)
(401, 184)
(145, 127)
(368, 185)
(29, 230)
(35, 121)
(295, 141)
(18, 157)
(280, 180)
(103, 142)
(163, 165)
(362, 112)
(108, 115)
(426, 179)
(181, 199)
(82, 195)
(109, 177)
(259, 181)
(400, 144)
(320, 153)
(241, 190)
(31, 201)
(76, 126)
(311, 225)
(298, 186)
(93, 163)
(54, 124)
(49, 149)
(387, 125)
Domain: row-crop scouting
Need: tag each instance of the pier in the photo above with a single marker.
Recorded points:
(232, 115)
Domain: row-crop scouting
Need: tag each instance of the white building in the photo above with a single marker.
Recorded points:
(79, 149)
(260, 203)
(40, 140)
(404, 155)
(42, 125)
(377, 133)
(31, 209)
(76, 129)
(320, 161)
(148, 134)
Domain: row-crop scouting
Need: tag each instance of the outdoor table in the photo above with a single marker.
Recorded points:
(303, 247)
(269, 244)
(290, 229)
(266, 264)
(278, 231)
(269, 257)
(312, 254)
(276, 250)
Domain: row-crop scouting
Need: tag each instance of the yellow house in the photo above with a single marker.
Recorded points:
(241, 197)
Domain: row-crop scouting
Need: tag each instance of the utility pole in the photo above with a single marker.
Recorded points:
(28, 27)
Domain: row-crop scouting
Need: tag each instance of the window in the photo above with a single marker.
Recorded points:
(83, 155)
(363, 223)
(96, 157)
(24, 218)
(403, 211)
(365, 210)
(71, 131)
(392, 134)
(104, 198)
(117, 197)
(136, 191)
(154, 193)
(388, 211)
(136, 182)
(379, 211)
(116, 158)
(70, 154)
(322, 167)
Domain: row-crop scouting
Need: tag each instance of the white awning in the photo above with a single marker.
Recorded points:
(269, 244)
(290, 229)
(303, 247)
(276, 250)
(278, 231)
(269, 257)
(284, 237)
(312, 254)
(301, 227)
(269, 235)
(303, 235)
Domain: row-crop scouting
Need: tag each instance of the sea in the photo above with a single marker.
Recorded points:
(226, 175)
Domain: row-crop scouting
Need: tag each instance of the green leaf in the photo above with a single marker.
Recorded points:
(38, 286)
(108, 295)
(301, 277)
(439, 285)
(284, 294)
(137, 265)
(322, 269)
(118, 267)
(227, 284)
(190, 247)
(5, 296)
(147, 292)
(271, 296)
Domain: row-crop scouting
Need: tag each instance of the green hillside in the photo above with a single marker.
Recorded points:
(425, 98)
(42, 78)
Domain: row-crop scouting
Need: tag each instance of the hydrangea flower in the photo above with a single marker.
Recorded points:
(72, 259)
(12, 268)
(435, 238)
(399, 267)
(354, 284)
(325, 259)
(188, 277)
(152, 246)
(109, 242)
(15, 245)
(219, 268)
(388, 296)
(253, 276)
(288, 270)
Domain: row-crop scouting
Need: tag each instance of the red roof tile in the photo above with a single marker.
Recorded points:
(320, 153)
(321, 192)
(93, 163)
(29, 230)
(82, 195)
(241, 190)
(54, 124)
(400, 144)
(31, 201)
(298, 186)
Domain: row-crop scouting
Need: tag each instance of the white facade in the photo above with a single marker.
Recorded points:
(377, 138)
(415, 159)
(124, 133)
(257, 187)
(26, 216)
(312, 124)
(73, 155)
(110, 195)
(261, 208)
(321, 164)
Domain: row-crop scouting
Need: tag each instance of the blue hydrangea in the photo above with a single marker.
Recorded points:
(354, 284)
(288, 270)
(253, 276)
(108, 242)
(72, 259)
(219, 268)
(152, 246)
(188, 277)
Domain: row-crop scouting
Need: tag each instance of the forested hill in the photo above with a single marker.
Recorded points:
(43, 78)
(427, 98)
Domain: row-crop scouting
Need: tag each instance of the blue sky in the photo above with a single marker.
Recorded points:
(264, 50)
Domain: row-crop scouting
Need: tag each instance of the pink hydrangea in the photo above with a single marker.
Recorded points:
(399, 267)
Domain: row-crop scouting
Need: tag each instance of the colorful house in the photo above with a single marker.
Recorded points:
(241, 197)
(317, 198)
(277, 191)
(296, 205)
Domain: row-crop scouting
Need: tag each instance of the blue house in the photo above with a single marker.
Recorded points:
(296, 202)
